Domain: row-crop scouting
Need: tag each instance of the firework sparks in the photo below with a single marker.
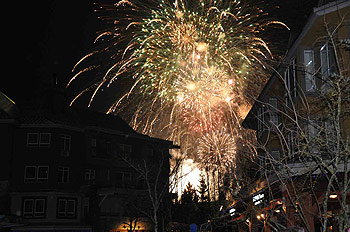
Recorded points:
(183, 64)
(216, 150)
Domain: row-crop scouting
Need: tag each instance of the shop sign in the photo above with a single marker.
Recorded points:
(258, 199)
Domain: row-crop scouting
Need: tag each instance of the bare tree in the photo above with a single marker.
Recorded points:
(158, 178)
(312, 163)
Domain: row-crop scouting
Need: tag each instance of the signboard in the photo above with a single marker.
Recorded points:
(232, 211)
(258, 199)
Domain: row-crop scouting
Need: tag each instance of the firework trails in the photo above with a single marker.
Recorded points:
(182, 67)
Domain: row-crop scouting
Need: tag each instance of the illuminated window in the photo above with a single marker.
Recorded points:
(309, 64)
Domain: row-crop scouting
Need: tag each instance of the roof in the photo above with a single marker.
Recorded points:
(249, 121)
(74, 117)
(82, 119)
(8, 108)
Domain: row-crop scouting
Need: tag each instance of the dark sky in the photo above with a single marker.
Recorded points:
(46, 38)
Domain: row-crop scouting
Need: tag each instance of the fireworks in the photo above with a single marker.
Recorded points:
(181, 66)
(216, 150)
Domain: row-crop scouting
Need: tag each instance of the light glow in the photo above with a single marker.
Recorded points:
(182, 68)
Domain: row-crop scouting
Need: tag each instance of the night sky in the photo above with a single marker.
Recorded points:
(48, 37)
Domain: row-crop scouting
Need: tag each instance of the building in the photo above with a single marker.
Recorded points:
(71, 170)
(300, 133)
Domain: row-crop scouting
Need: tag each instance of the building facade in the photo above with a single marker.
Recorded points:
(71, 170)
(302, 125)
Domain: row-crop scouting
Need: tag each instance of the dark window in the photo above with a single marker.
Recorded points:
(63, 174)
(86, 210)
(43, 173)
(45, 139)
(34, 207)
(108, 147)
(36, 173)
(39, 207)
(123, 176)
(32, 139)
(90, 175)
(30, 173)
(124, 149)
(28, 207)
(66, 207)
(65, 143)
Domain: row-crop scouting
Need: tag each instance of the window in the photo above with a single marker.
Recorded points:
(43, 173)
(273, 110)
(32, 139)
(123, 176)
(45, 139)
(63, 175)
(34, 207)
(327, 57)
(291, 143)
(310, 84)
(330, 133)
(275, 155)
(38, 139)
(66, 207)
(65, 142)
(86, 209)
(28, 207)
(290, 76)
(30, 173)
(36, 173)
(109, 147)
(125, 149)
(90, 175)
(312, 133)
